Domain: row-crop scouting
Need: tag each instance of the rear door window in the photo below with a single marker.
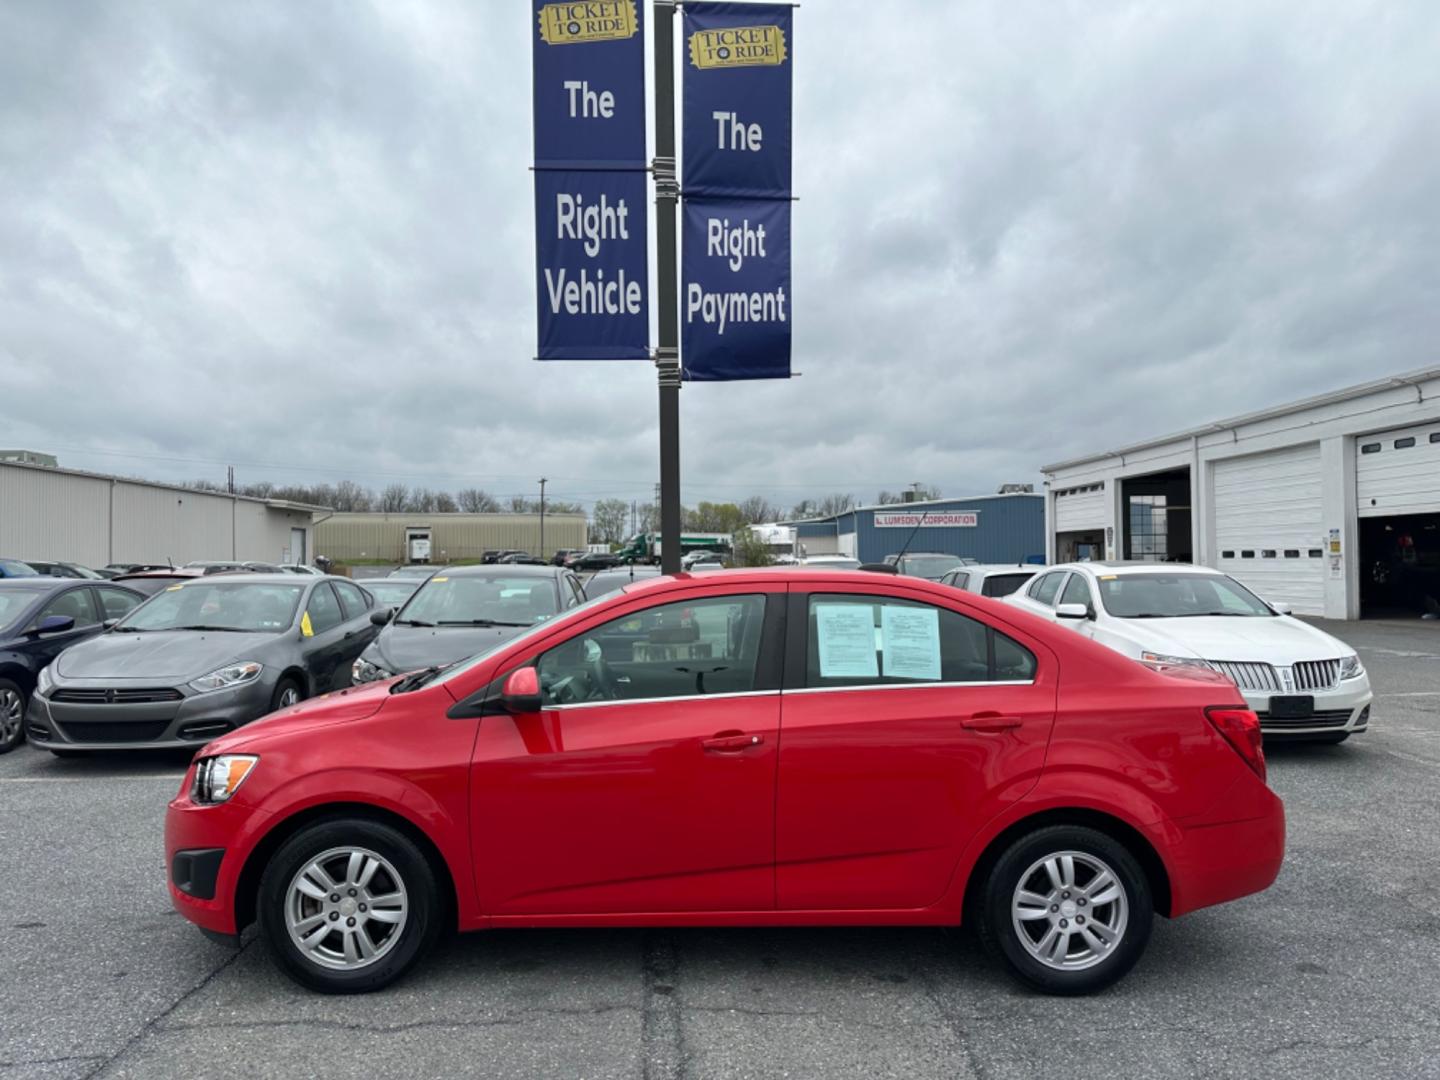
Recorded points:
(324, 609)
(117, 603)
(856, 641)
(352, 598)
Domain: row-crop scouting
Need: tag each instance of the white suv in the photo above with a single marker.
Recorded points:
(1300, 680)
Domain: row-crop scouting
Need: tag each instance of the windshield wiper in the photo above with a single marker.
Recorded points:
(415, 680)
(479, 622)
(1217, 615)
(127, 630)
(216, 629)
(413, 622)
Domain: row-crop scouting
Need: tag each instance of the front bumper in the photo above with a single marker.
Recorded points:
(1345, 708)
(230, 828)
(188, 722)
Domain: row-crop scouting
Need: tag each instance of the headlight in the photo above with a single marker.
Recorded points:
(363, 671)
(1159, 660)
(228, 677)
(1351, 668)
(44, 682)
(217, 778)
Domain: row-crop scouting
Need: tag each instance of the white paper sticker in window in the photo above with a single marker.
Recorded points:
(846, 635)
(912, 642)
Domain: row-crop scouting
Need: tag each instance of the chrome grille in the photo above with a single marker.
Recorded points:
(1316, 674)
(1249, 675)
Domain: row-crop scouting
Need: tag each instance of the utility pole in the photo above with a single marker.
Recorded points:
(667, 353)
(542, 517)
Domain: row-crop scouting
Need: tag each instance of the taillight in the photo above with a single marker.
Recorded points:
(1241, 728)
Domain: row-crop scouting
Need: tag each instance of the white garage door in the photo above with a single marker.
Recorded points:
(1080, 509)
(1398, 472)
(1269, 528)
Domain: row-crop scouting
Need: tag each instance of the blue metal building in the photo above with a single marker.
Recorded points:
(988, 528)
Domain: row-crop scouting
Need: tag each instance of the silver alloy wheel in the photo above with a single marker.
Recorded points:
(346, 908)
(12, 715)
(1070, 910)
(289, 696)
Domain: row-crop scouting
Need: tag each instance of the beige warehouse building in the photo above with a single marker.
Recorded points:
(440, 538)
(60, 514)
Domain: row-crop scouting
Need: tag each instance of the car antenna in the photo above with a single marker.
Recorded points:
(911, 537)
(171, 561)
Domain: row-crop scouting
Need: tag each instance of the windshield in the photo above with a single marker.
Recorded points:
(391, 593)
(11, 568)
(497, 600)
(834, 564)
(479, 658)
(601, 584)
(1178, 596)
(933, 567)
(413, 571)
(218, 605)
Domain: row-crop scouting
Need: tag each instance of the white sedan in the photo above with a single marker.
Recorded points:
(1299, 679)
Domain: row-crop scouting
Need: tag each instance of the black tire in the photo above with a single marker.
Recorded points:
(1001, 937)
(12, 734)
(415, 936)
(291, 684)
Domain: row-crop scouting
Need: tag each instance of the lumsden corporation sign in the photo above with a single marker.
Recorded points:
(942, 519)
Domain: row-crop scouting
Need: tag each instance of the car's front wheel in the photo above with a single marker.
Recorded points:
(348, 906)
(1068, 908)
(12, 716)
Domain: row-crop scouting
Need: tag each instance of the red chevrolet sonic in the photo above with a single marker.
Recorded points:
(768, 747)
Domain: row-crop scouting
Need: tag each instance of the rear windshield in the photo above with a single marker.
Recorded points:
(218, 605)
(1004, 584)
(11, 568)
(933, 567)
(392, 593)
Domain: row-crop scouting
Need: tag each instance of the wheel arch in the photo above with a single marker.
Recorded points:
(247, 888)
(1116, 828)
(297, 674)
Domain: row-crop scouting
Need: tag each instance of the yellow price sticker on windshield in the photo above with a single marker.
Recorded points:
(440, 579)
(306, 626)
(173, 588)
(1109, 577)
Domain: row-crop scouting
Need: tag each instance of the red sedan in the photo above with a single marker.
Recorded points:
(739, 749)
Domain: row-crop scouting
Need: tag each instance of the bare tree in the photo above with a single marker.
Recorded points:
(445, 503)
(350, 497)
(756, 510)
(834, 504)
(476, 501)
(394, 498)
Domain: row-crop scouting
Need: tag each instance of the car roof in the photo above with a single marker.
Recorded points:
(500, 569)
(1133, 566)
(1000, 568)
(40, 583)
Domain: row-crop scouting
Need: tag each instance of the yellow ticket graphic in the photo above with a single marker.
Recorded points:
(597, 20)
(738, 46)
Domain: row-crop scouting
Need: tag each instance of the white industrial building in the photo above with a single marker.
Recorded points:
(63, 515)
(1330, 505)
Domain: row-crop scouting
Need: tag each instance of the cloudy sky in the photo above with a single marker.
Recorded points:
(296, 236)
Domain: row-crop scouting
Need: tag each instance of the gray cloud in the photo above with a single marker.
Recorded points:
(299, 235)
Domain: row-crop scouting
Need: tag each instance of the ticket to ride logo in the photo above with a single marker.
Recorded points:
(597, 20)
(738, 46)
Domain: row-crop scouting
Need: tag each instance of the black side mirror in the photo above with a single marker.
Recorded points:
(382, 618)
(55, 624)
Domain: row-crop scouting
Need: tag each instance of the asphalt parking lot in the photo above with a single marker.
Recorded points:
(1333, 972)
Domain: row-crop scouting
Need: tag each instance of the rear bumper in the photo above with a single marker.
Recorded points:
(1212, 863)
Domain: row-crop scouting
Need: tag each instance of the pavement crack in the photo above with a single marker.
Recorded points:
(154, 1022)
(513, 1019)
(662, 1041)
(49, 1061)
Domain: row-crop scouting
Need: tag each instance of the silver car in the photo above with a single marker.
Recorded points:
(201, 658)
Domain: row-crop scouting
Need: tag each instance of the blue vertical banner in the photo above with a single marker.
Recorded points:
(735, 315)
(591, 191)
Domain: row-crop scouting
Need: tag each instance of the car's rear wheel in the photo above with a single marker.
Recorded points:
(1068, 908)
(348, 906)
(12, 716)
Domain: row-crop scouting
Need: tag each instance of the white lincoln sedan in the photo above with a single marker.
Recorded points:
(1300, 680)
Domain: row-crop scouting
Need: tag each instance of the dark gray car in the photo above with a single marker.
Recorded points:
(464, 610)
(200, 658)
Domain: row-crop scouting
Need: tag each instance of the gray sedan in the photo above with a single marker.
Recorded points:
(200, 658)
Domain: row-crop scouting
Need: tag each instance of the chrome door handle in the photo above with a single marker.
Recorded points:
(990, 722)
(731, 744)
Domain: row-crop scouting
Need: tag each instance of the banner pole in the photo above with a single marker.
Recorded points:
(667, 353)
